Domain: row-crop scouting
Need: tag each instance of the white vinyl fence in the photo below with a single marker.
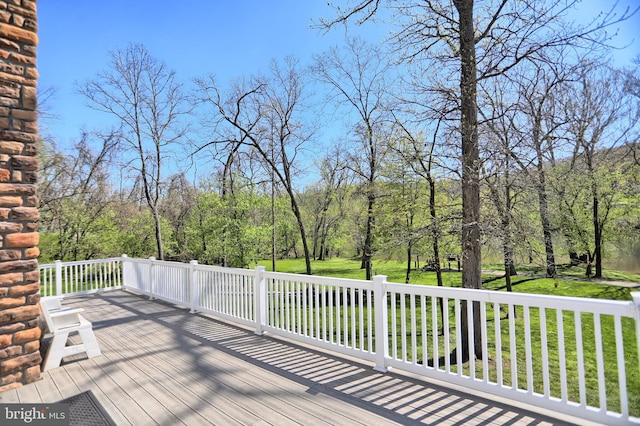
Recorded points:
(572, 355)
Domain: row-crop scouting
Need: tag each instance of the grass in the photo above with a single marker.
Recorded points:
(396, 271)
(573, 287)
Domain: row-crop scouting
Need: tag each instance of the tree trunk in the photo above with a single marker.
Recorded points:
(367, 252)
(471, 254)
(597, 233)
(407, 275)
(156, 220)
(303, 234)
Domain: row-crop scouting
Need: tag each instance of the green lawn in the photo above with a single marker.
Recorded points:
(395, 271)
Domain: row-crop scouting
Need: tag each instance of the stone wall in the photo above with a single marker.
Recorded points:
(19, 277)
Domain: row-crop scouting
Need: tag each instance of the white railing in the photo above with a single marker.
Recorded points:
(83, 277)
(572, 355)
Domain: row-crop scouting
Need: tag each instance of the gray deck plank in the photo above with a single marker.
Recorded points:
(238, 379)
(162, 365)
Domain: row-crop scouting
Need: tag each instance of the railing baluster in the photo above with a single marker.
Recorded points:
(545, 353)
(580, 354)
(498, 332)
(485, 343)
(394, 331)
(564, 393)
(622, 374)
(414, 349)
(602, 390)
(512, 346)
(528, 355)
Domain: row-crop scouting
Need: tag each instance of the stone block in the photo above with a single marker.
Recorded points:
(5, 43)
(33, 275)
(23, 114)
(10, 227)
(22, 240)
(18, 9)
(22, 290)
(33, 374)
(17, 189)
(11, 302)
(11, 378)
(30, 177)
(8, 102)
(17, 20)
(10, 201)
(5, 175)
(18, 34)
(12, 328)
(10, 351)
(4, 213)
(15, 70)
(27, 335)
(31, 75)
(9, 254)
(10, 90)
(30, 127)
(24, 162)
(14, 135)
(32, 346)
(12, 148)
(23, 59)
(5, 340)
(21, 362)
(22, 313)
(11, 278)
(30, 214)
(32, 253)
(29, 94)
(31, 201)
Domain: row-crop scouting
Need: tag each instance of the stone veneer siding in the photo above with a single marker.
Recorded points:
(19, 277)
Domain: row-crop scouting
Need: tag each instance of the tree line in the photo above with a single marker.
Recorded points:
(502, 129)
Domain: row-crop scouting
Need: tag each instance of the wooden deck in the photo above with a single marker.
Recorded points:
(162, 365)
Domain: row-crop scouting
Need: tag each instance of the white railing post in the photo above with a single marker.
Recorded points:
(151, 278)
(58, 278)
(193, 286)
(636, 301)
(381, 325)
(123, 274)
(260, 300)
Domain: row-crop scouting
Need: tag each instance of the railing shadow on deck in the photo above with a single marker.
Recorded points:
(396, 397)
(543, 350)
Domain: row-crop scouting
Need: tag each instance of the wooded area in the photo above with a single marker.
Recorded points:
(500, 133)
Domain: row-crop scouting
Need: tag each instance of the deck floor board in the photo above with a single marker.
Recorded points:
(163, 365)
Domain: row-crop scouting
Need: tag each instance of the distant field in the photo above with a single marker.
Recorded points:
(395, 272)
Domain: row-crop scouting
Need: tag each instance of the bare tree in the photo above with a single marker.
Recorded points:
(147, 102)
(74, 193)
(360, 76)
(264, 116)
(602, 118)
(479, 44)
(333, 177)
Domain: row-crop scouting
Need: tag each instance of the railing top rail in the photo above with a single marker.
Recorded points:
(316, 279)
(80, 262)
(602, 306)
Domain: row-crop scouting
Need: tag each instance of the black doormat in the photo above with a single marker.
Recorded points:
(86, 410)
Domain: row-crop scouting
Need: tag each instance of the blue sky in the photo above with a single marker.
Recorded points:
(197, 37)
